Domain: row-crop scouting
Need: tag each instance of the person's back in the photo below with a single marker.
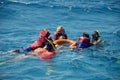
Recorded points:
(60, 33)
(83, 42)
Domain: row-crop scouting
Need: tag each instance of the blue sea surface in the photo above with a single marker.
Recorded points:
(21, 21)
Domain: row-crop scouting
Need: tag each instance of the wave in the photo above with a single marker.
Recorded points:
(70, 4)
(117, 32)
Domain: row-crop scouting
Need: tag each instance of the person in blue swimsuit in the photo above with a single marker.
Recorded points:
(83, 42)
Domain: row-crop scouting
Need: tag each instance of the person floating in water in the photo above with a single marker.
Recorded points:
(60, 33)
(96, 37)
(83, 42)
(44, 41)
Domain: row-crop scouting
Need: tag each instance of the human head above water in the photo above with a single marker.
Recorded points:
(95, 34)
(44, 33)
(60, 29)
(85, 35)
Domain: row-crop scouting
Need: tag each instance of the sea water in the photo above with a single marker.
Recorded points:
(21, 21)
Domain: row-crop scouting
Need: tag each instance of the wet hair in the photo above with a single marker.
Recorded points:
(48, 34)
(95, 35)
(85, 35)
(49, 47)
(60, 28)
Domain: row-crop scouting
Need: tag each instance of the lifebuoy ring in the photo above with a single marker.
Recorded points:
(61, 41)
(43, 54)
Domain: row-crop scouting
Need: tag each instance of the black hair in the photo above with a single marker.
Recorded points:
(49, 46)
(95, 36)
(86, 35)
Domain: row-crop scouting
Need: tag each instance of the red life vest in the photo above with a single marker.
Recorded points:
(58, 34)
(35, 45)
(84, 42)
(42, 39)
(84, 39)
(43, 33)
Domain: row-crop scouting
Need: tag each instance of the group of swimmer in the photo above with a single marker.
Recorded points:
(45, 41)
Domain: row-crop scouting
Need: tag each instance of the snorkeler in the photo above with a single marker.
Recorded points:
(60, 33)
(96, 37)
(83, 42)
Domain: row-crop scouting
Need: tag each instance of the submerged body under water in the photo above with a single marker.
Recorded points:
(21, 21)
